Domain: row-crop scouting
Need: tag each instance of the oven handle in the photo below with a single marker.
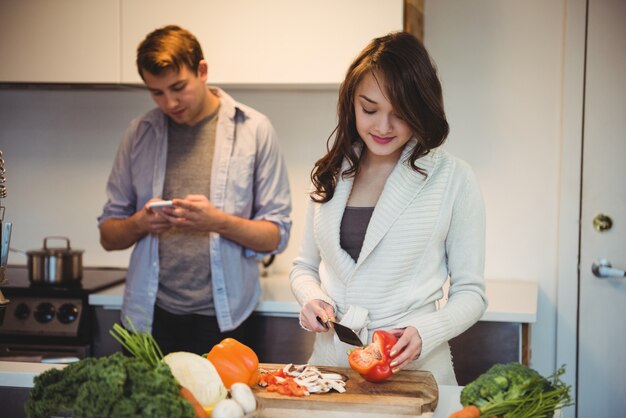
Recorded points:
(60, 360)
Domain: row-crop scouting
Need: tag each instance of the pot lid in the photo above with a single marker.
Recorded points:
(55, 251)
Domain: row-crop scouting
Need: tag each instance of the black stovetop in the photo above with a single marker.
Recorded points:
(94, 279)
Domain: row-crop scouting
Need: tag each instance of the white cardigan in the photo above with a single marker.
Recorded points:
(423, 230)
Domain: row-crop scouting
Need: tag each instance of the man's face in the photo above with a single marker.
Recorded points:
(180, 95)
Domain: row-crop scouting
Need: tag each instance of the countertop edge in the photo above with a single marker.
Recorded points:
(510, 300)
(22, 374)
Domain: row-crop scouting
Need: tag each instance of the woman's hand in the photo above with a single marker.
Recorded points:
(314, 309)
(407, 349)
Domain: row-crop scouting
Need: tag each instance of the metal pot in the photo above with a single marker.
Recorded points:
(58, 266)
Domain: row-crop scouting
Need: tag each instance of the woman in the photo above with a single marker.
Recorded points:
(391, 217)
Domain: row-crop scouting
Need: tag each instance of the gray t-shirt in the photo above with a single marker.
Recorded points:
(353, 228)
(184, 257)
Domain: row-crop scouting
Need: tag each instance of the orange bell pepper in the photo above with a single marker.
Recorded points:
(235, 362)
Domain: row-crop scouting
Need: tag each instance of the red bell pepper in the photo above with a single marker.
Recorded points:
(372, 361)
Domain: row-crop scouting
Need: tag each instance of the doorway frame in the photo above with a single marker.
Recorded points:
(573, 91)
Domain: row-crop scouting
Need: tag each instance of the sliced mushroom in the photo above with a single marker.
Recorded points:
(311, 378)
(338, 385)
(332, 376)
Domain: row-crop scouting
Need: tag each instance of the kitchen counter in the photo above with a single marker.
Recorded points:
(501, 335)
(21, 375)
(509, 300)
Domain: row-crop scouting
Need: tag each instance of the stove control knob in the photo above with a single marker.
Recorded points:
(44, 312)
(67, 313)
(22, 311)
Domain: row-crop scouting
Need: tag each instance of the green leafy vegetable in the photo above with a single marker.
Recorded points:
(513, 390)
(113, 386)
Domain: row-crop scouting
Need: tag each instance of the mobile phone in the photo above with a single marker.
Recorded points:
(161, 204)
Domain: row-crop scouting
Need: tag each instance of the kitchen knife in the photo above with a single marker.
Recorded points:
(344, 333)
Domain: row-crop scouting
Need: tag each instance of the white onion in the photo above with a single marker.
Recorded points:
(198, 375)
(243, 395)
(227, 408)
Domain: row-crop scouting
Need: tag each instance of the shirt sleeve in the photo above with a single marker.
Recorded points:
(272, 198)
(121, 197)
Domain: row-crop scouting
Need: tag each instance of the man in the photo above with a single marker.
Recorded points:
(193, 277)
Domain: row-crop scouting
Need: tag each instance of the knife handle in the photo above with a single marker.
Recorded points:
(324, 324)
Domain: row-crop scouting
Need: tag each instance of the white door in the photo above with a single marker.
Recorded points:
(602, 301)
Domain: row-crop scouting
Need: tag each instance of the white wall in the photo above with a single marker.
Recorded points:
(500, 63)
(59, 146)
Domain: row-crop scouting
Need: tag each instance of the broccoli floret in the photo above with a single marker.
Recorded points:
(511, 387)
(500, 382)
(112, 386)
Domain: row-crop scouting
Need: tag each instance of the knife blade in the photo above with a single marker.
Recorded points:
(344, 333)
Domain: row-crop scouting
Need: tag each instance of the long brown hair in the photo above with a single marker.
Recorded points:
(414, 91)
(168, 48)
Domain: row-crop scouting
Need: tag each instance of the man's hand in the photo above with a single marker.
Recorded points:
(194, 212)
(122, 233)
(152, 221)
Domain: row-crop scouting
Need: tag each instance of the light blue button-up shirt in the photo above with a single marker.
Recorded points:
(248, 179)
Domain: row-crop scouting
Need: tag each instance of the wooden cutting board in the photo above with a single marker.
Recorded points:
(406, 393)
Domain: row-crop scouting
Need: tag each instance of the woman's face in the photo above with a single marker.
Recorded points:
(384, 132)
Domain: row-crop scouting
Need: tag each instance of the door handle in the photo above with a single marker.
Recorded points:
(602, 269)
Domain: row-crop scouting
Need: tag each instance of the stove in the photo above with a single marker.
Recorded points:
(44, 320)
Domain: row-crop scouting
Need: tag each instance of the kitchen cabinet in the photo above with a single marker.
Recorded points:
(250, 42)
(280, 339)
(61, 41)
(103, 320)
(483, 345)
(12, 400)
(265, 42)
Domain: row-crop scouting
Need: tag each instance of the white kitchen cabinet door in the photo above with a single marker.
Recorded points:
(60, 41)
(256, 42)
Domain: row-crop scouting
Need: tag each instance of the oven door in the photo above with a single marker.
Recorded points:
(42, 353)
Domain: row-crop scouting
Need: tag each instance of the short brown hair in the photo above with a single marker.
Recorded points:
(168, 48)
